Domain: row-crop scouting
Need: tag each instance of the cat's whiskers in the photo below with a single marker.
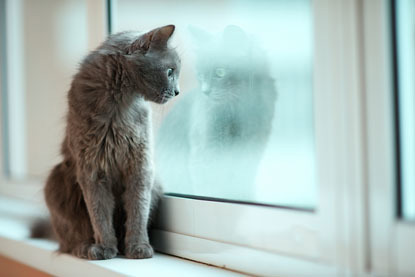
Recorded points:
(230, 95)
(233, 95)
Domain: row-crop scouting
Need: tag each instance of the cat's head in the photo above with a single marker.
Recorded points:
(225, 63)
(155, 65)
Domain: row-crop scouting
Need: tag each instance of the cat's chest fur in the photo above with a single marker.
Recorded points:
(117, 141)
(218, 123)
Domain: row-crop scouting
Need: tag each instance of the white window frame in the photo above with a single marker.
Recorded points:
(353, 229)
(2, 52)
(295, 242)
(14, 67)
(392, 239)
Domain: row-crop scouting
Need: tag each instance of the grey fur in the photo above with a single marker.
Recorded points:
(101, 194)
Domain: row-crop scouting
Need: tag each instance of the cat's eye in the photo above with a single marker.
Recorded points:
(170, 72)
(220, 72)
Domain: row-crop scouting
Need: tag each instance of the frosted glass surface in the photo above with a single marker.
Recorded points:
(242, 127)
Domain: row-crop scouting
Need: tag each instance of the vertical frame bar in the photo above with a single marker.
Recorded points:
(110, 5)
(15, 90)
(403, 24)
(4, 142)
(395, 84)
(391, 240)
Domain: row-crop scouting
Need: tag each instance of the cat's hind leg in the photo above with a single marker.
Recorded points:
(69, 216)
(79, 242)
(156, 196)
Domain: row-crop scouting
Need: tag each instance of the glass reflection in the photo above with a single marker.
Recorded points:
(220, 129)
(242, 127)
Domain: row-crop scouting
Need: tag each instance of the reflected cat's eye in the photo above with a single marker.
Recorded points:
(220, 72)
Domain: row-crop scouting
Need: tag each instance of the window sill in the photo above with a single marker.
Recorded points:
(15, 218)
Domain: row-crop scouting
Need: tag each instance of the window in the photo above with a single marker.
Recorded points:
(317, 193)
(242, 128)
(325, 136)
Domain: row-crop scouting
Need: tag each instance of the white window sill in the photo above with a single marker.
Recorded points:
(15, 219)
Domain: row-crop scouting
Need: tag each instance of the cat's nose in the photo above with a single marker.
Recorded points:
(176, 92)
(205, 87)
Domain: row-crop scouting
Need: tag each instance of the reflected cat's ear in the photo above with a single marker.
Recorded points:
(199, 37)
(155, 39)
(235, 38)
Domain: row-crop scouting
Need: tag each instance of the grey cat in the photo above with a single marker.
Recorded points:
(217, 132)
(101, 194)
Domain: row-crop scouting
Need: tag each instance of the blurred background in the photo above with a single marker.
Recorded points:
(43, 41)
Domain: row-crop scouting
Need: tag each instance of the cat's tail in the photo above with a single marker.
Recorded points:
(42, 229)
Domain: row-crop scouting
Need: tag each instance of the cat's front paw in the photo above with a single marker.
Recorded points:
(100, 252)
(139, 251)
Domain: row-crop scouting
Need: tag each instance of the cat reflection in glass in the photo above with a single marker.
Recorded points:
(212, 140)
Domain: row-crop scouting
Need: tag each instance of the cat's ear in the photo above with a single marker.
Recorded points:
(235, 38)
(200, 37)
(161, 36)
(155, 39)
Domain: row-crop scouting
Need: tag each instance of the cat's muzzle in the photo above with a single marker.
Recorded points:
(168, 94)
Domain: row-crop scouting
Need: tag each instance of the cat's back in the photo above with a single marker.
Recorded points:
(102, 69)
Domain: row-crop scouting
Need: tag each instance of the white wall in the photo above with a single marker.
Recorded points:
(46, 39)
(55, 34)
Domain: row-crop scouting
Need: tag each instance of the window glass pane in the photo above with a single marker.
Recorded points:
(405, 42)
(242, 128)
